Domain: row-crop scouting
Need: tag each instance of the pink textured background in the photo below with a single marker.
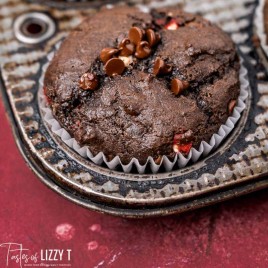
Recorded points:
(231, 234)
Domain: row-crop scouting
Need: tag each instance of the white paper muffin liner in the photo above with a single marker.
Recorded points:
(260, 27)
(179, 161)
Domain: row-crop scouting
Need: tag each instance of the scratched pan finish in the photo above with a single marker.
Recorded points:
(236, 168)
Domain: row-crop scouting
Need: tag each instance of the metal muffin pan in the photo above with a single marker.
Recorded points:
(237, 167)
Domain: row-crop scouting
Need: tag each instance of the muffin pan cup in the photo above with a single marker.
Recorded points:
(238, 166)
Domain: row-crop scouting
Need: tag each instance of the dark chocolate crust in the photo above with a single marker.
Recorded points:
(136, 114)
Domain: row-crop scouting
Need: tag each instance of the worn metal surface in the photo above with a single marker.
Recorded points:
(233, 169)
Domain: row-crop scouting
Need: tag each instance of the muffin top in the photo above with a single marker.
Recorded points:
(134, 84)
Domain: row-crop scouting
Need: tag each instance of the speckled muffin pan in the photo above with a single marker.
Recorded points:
(237, 167)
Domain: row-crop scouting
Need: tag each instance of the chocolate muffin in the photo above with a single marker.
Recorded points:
(134, 84)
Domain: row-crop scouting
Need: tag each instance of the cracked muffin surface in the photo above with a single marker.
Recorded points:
(142, 111)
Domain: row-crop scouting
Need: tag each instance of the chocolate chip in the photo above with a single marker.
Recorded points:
(114, 66)
(152, 37)
(126, 47)
(160, 67)
(107, 53)
(178, 86)
(231, 106)
(143, 50)
(88, 81)
(135, 35)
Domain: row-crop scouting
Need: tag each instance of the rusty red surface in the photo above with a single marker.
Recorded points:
(231, 234)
